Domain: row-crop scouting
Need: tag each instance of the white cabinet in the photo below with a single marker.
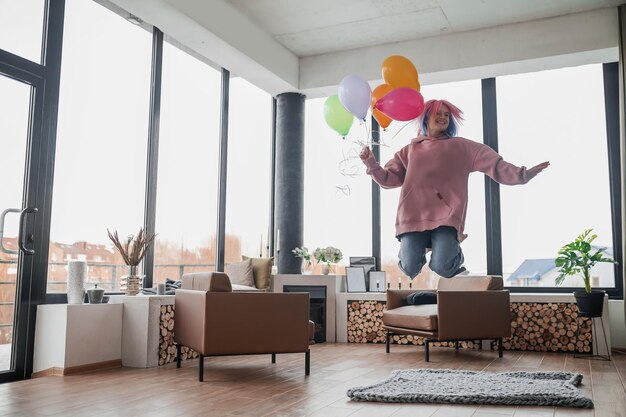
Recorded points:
(72, 338)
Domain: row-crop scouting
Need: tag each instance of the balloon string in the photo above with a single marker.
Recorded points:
(400, 130)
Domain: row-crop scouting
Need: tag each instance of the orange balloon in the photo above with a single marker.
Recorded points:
(399, 71)
(378, 93)
(383, 120)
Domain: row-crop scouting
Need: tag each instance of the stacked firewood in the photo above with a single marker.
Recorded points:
(167, 349)
(554, 327)
(365, 319)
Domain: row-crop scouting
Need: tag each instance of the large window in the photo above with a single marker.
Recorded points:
(248, 179)
(21, 27)
(337, 197)
(100, 163)
(467, 96)
(555, 116)
(186, 208)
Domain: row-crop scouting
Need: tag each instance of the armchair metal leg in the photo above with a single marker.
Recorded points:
(201, 368)
(500, 348)
(273, 358)
(307, 362)
(426, 353)
(178, 359)
(387, 341)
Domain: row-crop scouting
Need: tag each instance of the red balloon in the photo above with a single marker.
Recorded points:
(402, 104)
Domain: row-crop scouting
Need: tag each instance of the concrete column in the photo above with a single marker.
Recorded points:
(289, 179)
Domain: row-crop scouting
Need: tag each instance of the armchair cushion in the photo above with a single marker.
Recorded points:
(240, 273)
(418, 317)
(421, 297)
(245, 288)
(207, 281)
(262, 271)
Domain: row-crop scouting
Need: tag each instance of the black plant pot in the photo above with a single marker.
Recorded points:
(590, 304)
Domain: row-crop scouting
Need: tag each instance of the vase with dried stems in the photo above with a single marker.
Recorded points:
(132, 249)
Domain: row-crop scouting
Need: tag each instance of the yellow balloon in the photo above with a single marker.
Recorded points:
(399, 71)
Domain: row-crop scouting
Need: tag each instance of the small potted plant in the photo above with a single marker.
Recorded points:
(326, 256)
(304, 254)
(132, 250)
(577, 258)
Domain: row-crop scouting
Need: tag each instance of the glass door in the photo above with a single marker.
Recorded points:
(18, 144)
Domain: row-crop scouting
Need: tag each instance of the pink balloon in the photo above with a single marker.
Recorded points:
(402, 104)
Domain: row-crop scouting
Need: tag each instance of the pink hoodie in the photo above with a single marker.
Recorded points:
(433, 174)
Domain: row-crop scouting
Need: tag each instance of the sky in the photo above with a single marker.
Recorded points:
(102, 136)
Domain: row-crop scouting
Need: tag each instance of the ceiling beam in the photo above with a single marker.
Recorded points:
(568, 40)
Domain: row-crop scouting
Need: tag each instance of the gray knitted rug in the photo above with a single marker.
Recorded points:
(450, 386)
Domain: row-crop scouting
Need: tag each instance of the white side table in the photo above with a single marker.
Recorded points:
(72, 338)
(140, 329)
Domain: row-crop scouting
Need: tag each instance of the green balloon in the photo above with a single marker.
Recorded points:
(337, 117)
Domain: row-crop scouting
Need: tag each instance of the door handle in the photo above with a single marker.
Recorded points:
(21, 234)
(2, 216)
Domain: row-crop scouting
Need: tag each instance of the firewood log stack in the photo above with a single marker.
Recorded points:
(553, 327)
(167, 349)
(549, 327)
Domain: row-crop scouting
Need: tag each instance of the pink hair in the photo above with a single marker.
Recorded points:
(432, 107)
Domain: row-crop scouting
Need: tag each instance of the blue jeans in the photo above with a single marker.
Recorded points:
(446, 259)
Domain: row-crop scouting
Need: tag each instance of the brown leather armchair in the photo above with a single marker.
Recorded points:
(468, 308)
(214, 321)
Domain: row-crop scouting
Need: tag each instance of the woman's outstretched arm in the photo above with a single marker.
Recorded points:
(491, 163)
(391, 176)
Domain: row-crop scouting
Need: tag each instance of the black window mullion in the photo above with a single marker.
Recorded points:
(223, 170)
(611, 104)
(376, 244)
(492, 188)
(153, 151)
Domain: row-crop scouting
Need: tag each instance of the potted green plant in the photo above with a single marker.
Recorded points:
(304, 254)
(577, 258)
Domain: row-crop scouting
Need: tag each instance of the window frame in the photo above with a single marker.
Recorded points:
(492, 190)
(492, 194)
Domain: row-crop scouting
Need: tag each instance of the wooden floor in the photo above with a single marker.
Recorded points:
(252, 386)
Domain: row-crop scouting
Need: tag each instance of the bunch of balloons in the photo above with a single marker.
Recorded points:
(398, 98)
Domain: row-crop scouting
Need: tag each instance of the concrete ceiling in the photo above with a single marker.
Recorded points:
(307, 27)
(309, 45)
